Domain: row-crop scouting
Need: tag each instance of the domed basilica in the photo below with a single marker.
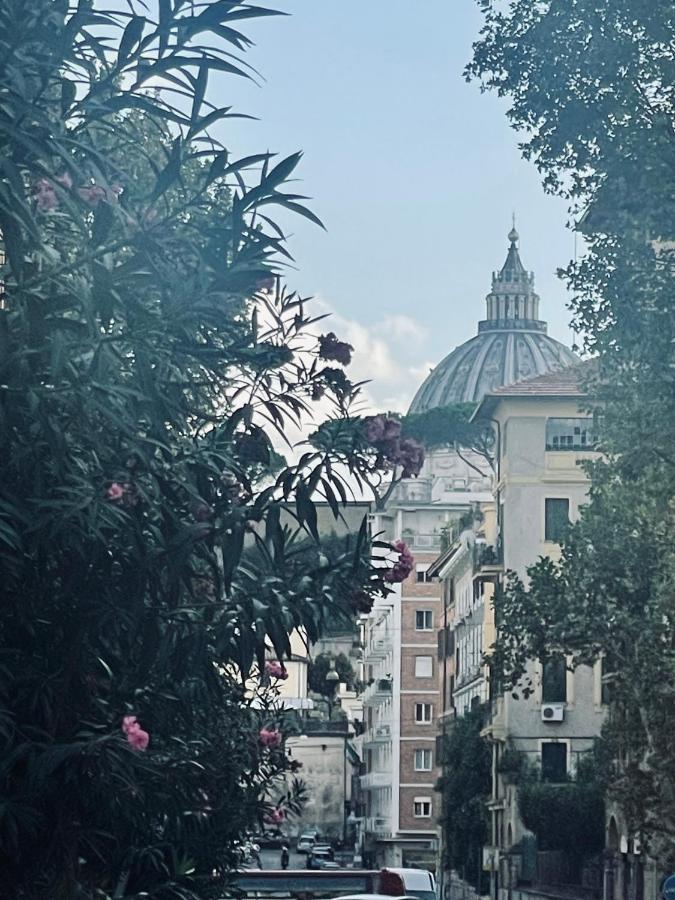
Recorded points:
(512, 343)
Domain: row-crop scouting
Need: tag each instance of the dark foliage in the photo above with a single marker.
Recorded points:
(146, 371)
(466, 785)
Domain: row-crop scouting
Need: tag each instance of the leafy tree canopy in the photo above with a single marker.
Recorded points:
(590, 87)
(149, 361)
(319, 668)
(466, 784)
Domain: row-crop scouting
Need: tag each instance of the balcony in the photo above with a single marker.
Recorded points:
(378, 734)
(375, 780)
(378, 649)
(378, 825)
(323, 726)
(377, 692)
(429, 542)
(488, 560)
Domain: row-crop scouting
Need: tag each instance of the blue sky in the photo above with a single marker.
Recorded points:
(414, 172)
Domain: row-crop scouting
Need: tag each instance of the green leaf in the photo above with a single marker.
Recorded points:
(130, 39)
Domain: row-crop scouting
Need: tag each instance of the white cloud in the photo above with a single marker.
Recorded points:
(388, 354)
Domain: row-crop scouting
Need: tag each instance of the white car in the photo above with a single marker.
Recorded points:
(371, 897)
(306, 841)
(417, 883)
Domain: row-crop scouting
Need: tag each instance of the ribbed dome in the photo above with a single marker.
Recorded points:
(511, 344)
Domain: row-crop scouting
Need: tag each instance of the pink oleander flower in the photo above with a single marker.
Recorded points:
(403, 566)
(270, 737)
(115, 491)
(332, 348)
(384, 433)
(275, 817)
(92, 194)
(129, 723)
(45, 195)
(276, 670)
(381, 429)
(139, 739)
(136, 736)
(64, 180)
(410, 457)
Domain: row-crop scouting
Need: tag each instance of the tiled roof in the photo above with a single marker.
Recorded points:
(566, 382)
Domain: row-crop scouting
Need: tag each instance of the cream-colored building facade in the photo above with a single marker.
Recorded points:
(543, 437)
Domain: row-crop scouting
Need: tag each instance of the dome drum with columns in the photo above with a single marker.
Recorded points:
(512, 343)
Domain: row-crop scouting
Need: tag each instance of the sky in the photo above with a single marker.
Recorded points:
(414, 172)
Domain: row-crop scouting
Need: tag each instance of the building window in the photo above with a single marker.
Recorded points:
(422, 570)
(556, 518)
(423, 713)
(554, 679)
(422, 807)
(423, 760)
(569, 434)
(424, 666)
(554, 761)
(424, 620)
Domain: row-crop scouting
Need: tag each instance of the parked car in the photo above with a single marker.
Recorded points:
(320, 853)
(306, 841)
(372, 897)
(416, 882)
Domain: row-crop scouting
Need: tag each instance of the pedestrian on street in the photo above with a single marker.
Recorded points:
(285, 856)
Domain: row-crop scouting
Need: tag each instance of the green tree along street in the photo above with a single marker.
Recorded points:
(145, 367)
(465, 789)
(590, 88)
(319, 668)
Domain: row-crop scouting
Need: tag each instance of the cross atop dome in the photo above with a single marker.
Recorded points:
(514, 237)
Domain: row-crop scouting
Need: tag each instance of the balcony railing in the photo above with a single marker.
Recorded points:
(487, 558)
(375, 781)
(378, 734)
(378, 825)
(378, 691)
(431, 542)
(378, 649)
(323, 726)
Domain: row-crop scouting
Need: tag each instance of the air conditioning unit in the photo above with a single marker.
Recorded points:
(552, 712)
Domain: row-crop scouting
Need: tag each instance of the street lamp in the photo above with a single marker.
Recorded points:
(332, 682)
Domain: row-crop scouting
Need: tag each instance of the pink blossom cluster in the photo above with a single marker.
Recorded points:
(330, 347)
(116, 491)
(276, 670)
(270, 737)
(384, 433)
(138, 738)
(45, 195)
(122, 492)
(275, 816)
(47, 199)
(403, 566)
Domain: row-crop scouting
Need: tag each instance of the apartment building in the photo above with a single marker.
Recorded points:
(543, 434)
(404, 697)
